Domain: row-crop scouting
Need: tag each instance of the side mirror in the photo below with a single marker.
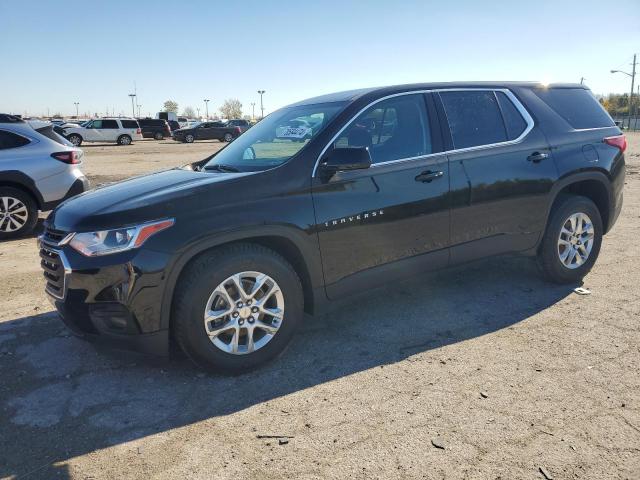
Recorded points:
(342, 159)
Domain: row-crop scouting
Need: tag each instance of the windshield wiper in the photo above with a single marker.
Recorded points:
(222, 168)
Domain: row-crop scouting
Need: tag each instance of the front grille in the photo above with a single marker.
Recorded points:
(53, 270)
(52, 236)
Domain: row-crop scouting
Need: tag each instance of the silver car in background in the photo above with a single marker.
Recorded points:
(38, 170)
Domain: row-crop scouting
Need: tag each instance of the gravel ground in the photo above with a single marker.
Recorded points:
(482, 371)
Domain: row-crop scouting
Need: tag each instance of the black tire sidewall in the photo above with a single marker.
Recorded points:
(32, 209)
(189, 315)
(548, 257)
(77, 136)
(158, 136)
(121, 137)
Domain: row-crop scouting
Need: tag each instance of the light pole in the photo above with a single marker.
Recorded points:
(582, 79)
(133, 108)
(139, 106)
(76, 104)
(633, 79)
(261, 92)
(206, 106)
(253, 110)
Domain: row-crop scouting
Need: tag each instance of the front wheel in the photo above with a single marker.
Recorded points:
(75, 139)
(236, 308)
(189, 138)
(124, 140)
(572, 240)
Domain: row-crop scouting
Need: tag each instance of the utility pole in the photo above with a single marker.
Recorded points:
(633, 81)
(261, 92)
(206, 105)
(198, 110)
(253, 111)
(133, 108)
(76, 104)
(139, 106)
(582, 79)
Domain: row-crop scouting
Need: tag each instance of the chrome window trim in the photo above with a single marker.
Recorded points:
(523, 111)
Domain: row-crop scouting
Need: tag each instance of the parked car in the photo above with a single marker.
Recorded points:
(38, 170)
(244, 125)
(173, 125)
(207, 131)
(154, 128)
(226, 254)
(122, 131)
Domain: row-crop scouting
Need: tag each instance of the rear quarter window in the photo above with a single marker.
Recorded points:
(577, 106)
(513, 120)
(11, 140)
(129, 124)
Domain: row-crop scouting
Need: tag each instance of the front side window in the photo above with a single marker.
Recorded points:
(474, 118)
(393, 129)
(276, 139)
(11, 140)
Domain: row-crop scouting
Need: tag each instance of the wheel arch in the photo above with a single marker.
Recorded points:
(593, 184)
(22, 181)
(275, 239)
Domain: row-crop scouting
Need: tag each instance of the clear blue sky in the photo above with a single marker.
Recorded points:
(54, 53)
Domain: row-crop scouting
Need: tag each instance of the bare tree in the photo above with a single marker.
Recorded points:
(170, 106)
(189, 112)
(231, 108)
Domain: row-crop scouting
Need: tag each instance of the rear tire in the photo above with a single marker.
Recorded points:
(75, 139)
(124, 140)
(571, 241)
(158, 136)
(228, 137)
(209, 277)
(18, 213)
(189, 139)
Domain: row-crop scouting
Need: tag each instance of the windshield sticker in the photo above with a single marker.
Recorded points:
(292, 132)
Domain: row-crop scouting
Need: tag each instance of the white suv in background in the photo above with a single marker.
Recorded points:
(122, 131)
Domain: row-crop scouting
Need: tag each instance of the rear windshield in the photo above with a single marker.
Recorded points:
(577, 106)
(51, 135)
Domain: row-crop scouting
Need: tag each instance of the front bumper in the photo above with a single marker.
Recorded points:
(113, 299)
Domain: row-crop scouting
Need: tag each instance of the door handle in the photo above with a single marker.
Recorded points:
(429, 176)
(537, 157)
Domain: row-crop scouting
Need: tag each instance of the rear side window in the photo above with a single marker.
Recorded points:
(52, 135)
(577, 106)
(393, 129)
(513, 121)
(129, 124)
(109, 124)
(474, 118)
(11, 140)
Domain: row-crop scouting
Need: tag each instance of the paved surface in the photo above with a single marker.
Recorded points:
(507, 373)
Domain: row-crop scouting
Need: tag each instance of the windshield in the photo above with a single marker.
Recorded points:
(277, 138)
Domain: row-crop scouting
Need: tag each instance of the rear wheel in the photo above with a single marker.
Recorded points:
(158, 136)
(18, 213)
(75, 139)
(228, 137)
(124, 140)
(189, 138)
(572, 240)
(237, 307)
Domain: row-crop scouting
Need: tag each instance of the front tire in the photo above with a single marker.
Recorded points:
(572, 240)
(124, 140)
(75, 139)
(18, 213)
(236, 308)
(189, 138)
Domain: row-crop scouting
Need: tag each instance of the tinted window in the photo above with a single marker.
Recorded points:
(109, 124)
(11, 140)
(129, 124)
(513, 120)
(577, 106)
(474, 118)
(96, 124)
(52, 134)
(392, 129)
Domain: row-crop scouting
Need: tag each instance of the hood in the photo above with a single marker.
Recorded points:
(140, 199)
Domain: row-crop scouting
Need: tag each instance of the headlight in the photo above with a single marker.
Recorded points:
(105, 242)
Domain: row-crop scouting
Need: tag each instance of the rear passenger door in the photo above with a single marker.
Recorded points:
(501, 173)
(109, 130)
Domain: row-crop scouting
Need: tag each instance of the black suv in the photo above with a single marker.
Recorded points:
(225, 255)
(207, 131)
(154, 128)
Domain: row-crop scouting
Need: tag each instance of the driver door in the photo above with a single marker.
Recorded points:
(92, 131)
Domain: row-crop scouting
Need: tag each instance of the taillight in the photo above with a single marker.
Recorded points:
(72, 157)
(619, 141)
(139, 131)
(238, 130)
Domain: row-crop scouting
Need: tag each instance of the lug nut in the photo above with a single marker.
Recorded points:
(234, 314)
(241, 322)
(251, 319)
(254, 309)
(248, 302)
(239, 305)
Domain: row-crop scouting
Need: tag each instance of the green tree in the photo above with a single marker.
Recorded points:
(231, 108)
(170, 106)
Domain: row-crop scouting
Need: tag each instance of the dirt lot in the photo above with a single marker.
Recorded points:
(509, 374)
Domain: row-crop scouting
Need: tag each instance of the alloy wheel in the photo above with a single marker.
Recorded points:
(575, 240)
(244, 313)
(13, 214)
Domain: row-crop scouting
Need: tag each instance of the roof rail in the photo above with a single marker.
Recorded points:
(6, 118)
